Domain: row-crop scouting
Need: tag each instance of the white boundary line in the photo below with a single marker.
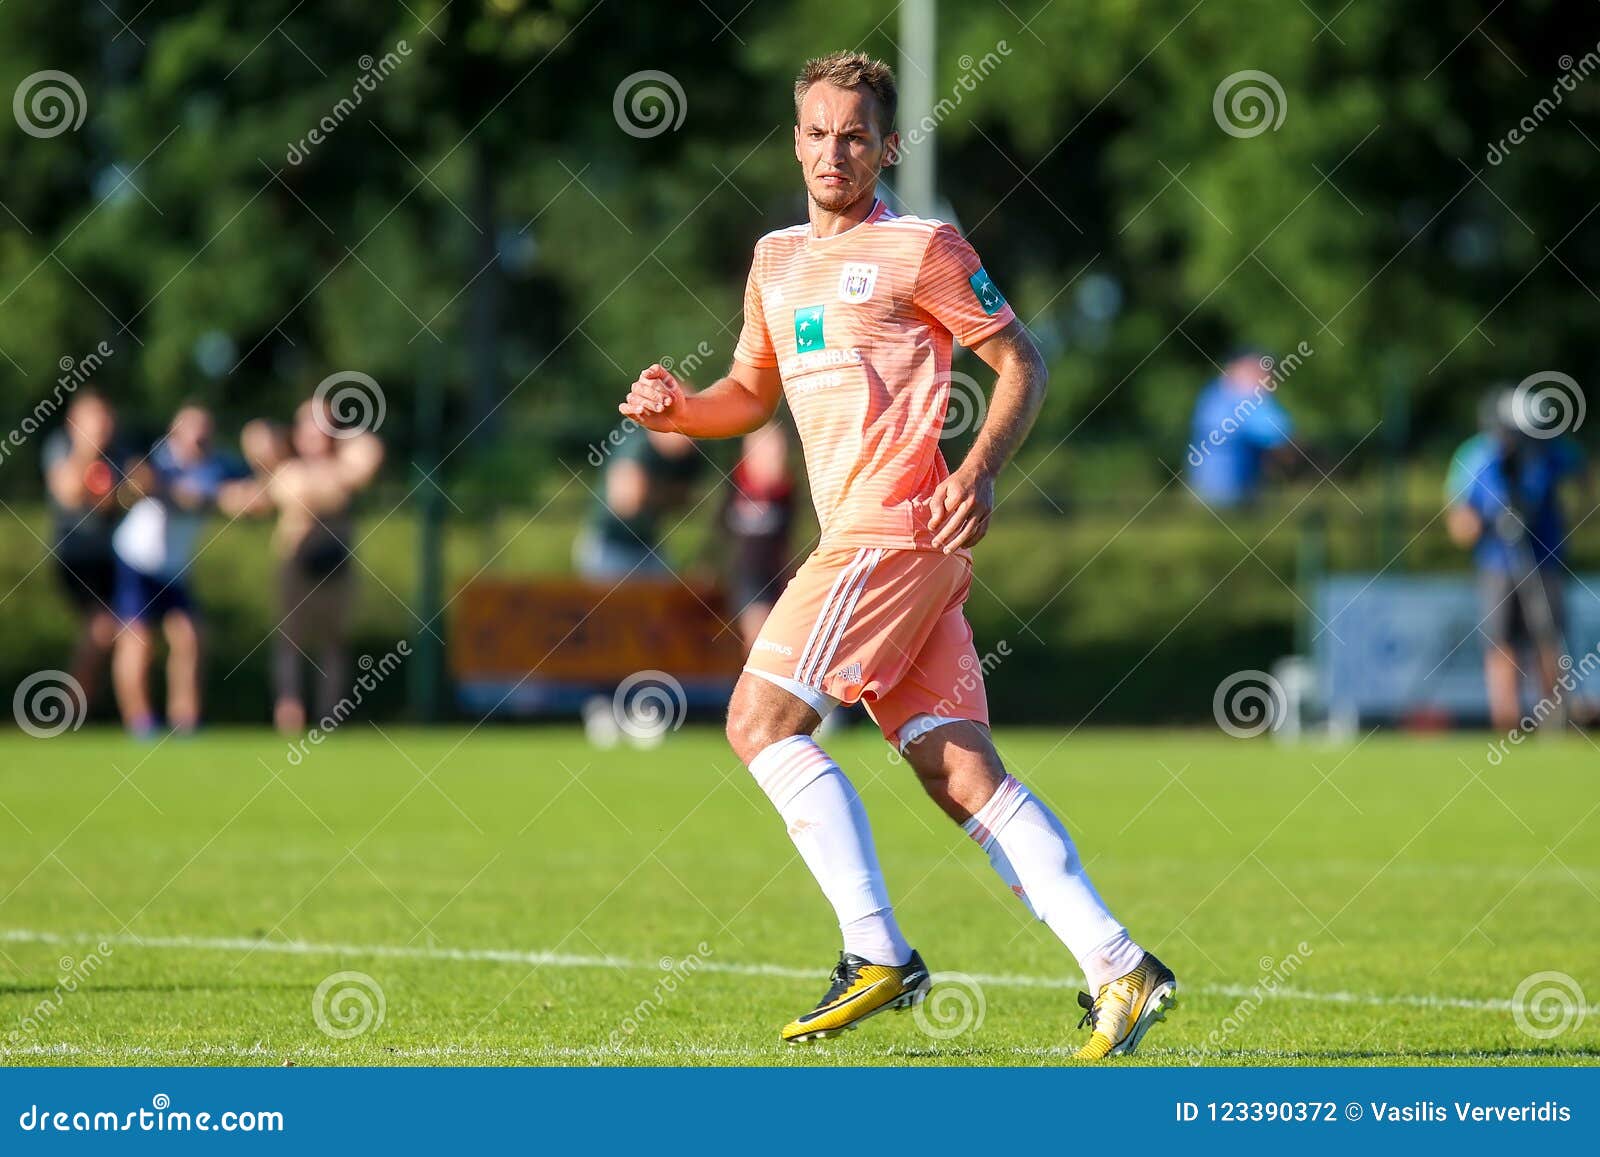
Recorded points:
(569, 960)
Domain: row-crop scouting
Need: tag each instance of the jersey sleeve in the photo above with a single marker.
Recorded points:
(1268, 426)
(953, 286)
(1461, 484)
(755, 343)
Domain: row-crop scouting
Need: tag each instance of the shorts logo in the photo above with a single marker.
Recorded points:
(856, 281)
(808, 330)
(849, 674)
(987, 293)
(778, 648)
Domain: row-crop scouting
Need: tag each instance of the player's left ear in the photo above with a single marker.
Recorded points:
(891, 149)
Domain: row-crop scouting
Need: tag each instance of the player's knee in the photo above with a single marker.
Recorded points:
(747, 733)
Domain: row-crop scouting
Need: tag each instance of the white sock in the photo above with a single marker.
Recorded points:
(829, 827)
(1034, 856)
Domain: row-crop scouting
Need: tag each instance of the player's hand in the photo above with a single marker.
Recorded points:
(655, 399)
(959, 510)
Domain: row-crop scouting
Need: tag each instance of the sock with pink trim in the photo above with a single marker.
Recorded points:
(829, 828)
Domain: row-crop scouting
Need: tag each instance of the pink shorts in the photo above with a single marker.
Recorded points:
(882, 627)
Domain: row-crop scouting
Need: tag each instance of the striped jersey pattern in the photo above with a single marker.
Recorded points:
(860, 327)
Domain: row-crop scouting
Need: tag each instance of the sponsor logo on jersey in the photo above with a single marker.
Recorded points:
(988, 295)
(856, 281)
(808, 329)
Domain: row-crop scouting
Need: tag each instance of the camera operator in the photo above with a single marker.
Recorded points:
(1504, 505)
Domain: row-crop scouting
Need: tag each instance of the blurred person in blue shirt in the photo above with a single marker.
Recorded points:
(174, 490)
(1504, 504)
(1237, 428)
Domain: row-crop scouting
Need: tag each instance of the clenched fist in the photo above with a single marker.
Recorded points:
(655, 399)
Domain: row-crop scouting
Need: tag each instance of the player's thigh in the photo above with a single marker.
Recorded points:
(762, 713)
(942, 682)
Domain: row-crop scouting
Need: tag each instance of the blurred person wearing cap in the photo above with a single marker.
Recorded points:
(1238, 428)
(310, 475)
(172, 492)
(1503, 500)
(83, 466)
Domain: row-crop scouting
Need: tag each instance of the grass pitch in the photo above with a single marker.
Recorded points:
(513, 896)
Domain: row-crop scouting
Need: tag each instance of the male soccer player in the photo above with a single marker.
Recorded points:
(851, 317)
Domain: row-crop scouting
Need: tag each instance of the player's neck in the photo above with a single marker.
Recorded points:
(825, 223)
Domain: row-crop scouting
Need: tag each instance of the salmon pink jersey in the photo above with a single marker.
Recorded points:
(860, 326)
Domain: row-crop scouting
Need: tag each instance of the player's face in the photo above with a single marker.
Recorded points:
(839, 145)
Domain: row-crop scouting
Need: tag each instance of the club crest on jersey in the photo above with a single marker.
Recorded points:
(808, 330)
(856, 281)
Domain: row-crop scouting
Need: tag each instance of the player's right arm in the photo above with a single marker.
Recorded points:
(732, 406)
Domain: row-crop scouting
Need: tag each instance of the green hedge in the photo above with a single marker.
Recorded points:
(1113, 611)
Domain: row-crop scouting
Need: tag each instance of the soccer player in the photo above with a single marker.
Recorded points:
(851, 318)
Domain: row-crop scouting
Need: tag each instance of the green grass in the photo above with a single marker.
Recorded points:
(442, 863)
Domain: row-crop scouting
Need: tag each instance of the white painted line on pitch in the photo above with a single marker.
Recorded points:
(568, 960)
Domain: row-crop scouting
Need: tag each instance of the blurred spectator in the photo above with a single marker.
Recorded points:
(311, 477)
(647, 474)
(1238, 426)
(172, 490)
(82, 469)
(1504, 504)
(757, 514)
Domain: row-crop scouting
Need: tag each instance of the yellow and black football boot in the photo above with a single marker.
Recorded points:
(860, 989)
(1124, 1010)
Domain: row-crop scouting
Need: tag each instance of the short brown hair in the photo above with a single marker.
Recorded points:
(850, 70)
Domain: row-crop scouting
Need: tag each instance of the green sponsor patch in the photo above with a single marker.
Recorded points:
(808, 329)
(988, 296)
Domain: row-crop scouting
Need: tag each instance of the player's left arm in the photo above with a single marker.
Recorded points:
(962, 504)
